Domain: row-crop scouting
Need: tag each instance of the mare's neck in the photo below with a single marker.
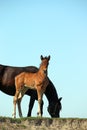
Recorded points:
(51, 93)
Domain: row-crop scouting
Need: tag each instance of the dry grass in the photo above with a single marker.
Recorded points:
(35, 123)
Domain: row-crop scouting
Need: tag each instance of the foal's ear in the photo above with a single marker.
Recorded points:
(49, 57)
(41, 57)
(60, 98)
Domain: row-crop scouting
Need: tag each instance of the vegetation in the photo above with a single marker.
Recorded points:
(37, 123)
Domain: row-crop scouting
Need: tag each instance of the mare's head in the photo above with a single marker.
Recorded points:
(54, 108)
(44, 63)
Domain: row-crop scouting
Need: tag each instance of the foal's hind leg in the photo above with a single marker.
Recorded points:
(14, 103)
(19, 106)
(21, 94)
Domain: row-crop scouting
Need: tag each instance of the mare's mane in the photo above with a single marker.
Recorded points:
(51, 92)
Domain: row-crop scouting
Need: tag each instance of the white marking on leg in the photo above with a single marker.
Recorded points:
(14, 111)
(39, 107)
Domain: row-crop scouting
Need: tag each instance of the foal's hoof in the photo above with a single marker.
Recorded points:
(38, 114)
(13, 116)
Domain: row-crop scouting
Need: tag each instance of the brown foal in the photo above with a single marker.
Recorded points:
(26, 80)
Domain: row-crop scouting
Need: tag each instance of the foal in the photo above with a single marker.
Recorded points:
(26, 80)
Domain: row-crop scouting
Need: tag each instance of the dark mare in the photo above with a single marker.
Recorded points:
(7, 85)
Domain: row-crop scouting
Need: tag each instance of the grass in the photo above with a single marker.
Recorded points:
(3, 128)
(7, 123)
(19, 120)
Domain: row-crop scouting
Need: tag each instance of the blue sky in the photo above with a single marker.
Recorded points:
(57, 28)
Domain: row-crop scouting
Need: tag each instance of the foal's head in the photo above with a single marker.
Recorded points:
(44, 64)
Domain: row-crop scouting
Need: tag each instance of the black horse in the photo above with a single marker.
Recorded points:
(7, 85)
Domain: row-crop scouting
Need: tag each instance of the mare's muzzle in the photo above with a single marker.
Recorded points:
(54, 110)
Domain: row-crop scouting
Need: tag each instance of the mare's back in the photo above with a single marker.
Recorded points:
(10, 73)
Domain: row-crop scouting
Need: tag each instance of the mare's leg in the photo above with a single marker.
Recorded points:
(31, 104)
(42, 103)
(32, 100)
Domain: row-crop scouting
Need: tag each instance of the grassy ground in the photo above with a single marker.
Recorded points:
(36, 123)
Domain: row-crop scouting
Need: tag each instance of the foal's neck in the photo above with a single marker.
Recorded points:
(42, 71)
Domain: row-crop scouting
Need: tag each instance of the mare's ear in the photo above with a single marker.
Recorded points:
(41, 57)
(60, 98)
(49, 57)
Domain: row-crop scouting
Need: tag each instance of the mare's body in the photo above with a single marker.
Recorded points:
(7, 85)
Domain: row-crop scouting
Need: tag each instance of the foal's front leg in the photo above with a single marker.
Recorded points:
(39, 102)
